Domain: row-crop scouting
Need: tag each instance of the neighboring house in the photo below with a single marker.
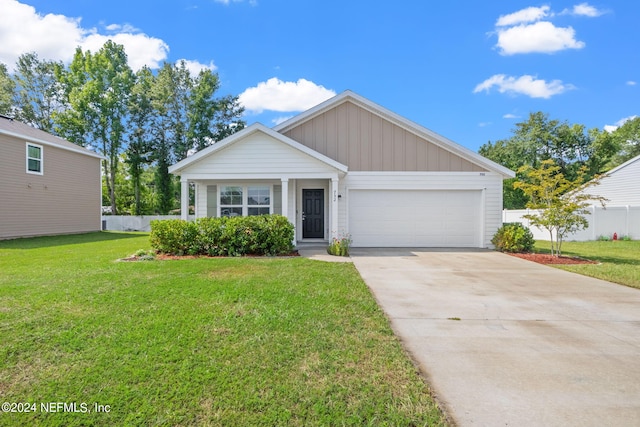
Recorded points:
(621, 185)
(351, 167)
(47, 185)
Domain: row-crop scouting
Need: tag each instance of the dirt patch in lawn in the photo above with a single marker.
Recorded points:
(549, 259)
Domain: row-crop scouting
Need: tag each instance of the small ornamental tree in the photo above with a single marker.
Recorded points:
(562, 203)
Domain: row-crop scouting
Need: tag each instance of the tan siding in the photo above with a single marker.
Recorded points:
(376, 143)
(365, 141)
(65, 199)
(332, 132)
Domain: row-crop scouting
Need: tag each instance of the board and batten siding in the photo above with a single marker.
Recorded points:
(258, 154)
(64, 199)
(489, 183)
(365, 141)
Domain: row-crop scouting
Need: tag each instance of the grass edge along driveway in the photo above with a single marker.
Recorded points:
(222, 341)
(619, 261)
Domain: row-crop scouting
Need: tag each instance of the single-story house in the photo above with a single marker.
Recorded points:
(47, 184)
(351, 167)
(621, 185)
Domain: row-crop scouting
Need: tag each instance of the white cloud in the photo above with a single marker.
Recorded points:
(277, 95)
(542, 37)
(141, 49)
(523, 85)
(584, 9)
(195, 67)
(530, 14)
(631, 83)
(55, 37)
(280, 119)
(510, 116)
(484, 124)
(122, 28)
(611, 128)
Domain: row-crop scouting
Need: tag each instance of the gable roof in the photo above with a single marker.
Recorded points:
(16, 129)
(244, 133)
(409, 126)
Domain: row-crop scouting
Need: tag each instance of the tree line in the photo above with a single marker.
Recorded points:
(141, 122)
(574, 150)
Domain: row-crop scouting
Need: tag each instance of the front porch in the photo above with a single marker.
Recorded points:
(259, 171)
(309, 203)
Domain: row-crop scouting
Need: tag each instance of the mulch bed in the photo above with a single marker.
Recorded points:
(549, 259)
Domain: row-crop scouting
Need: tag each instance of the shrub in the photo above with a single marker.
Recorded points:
(513, 237)
(252, 235)
(173, 236)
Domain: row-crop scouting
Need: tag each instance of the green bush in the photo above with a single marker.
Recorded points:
(173, 236)
(237, 236)
(513, 237)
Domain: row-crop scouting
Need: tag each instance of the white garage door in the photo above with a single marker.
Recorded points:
(419, 218)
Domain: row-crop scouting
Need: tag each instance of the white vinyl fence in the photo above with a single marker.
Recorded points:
(132, 223)
(622, 220)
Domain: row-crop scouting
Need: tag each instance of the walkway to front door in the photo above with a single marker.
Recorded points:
(312, 213)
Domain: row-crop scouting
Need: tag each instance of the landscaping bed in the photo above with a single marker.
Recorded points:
(549, 259)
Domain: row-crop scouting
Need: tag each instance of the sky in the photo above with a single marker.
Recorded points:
(465, 69)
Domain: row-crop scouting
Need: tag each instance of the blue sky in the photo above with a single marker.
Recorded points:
(467, 70)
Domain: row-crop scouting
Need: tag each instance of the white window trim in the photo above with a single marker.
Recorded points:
(41, 159)
(245, 197)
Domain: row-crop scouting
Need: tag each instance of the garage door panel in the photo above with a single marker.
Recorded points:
(422, 218)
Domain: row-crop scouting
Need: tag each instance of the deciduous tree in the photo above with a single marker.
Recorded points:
(140, 137)
(38, 92)
(7, 87)
(562, 203)
(97, 88)
(540, 138)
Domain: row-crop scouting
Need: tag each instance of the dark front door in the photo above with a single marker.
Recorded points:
(313, 214)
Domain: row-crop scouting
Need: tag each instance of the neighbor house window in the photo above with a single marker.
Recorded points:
(236, 200)
(34, 159)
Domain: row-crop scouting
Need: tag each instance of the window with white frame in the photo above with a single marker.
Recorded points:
(237, 200)
(258, 200)
(34, 158)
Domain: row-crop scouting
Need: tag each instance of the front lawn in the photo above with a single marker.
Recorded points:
(619, 260)
(218, 341)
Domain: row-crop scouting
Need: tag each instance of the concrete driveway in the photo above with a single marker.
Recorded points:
(507, 342)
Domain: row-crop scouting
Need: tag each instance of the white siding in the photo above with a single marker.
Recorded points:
(258, 154)
(489, 182)
(622, 187)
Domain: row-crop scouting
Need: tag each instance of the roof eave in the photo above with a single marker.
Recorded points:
(79, 150)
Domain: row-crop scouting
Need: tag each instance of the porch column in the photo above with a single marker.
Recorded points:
(285, 204)
(285, 198)
(333, 208)
(184, 199)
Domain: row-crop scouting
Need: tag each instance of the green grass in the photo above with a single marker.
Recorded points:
(619, 261)
(280, 341)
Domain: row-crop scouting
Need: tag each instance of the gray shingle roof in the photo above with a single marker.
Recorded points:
(9, 126)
